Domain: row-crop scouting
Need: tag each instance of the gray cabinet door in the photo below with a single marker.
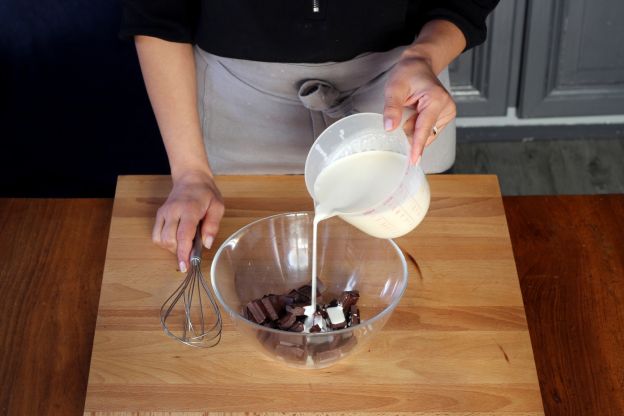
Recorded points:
(573, 58)
(481, 78)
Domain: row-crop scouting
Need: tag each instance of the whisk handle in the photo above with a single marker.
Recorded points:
(197, 246)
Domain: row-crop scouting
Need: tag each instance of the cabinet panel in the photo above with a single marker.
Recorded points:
(574, 58)
(480, 78)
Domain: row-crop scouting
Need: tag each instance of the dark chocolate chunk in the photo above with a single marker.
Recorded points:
(347, 342)
(269, 308)
(246, 313)
(341, 325)
(296, 327)
(354, 315)
(290, 352)
(296, 310)
(280, 301)
(286, 321)
(326, 356)
(298, 297)
(305, 291)
(287, 312)
(265, 339)
(284, 300)
(348, 298)
(256, 311)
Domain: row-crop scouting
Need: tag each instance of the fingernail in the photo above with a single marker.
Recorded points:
(182, 267)
(208, 241)
(388, 124)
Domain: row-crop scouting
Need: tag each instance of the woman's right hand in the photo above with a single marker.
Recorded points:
(194, 198)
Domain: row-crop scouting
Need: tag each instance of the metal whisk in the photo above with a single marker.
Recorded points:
(190, 314)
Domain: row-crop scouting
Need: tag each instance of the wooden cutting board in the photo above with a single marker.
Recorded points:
(457, 344)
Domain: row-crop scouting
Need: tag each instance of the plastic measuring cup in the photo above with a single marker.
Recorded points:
(399, 209)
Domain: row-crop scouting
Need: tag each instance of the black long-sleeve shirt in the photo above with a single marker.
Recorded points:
(305, 31)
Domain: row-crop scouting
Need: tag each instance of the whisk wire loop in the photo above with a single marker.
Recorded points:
(201, 323)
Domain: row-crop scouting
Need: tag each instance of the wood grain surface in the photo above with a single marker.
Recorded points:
(51, 263)
(570, 256)
(458, 343)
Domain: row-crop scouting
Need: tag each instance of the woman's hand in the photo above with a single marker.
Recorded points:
(194, 198)
(412, 83)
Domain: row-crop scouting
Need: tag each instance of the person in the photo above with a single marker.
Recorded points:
(245, 87)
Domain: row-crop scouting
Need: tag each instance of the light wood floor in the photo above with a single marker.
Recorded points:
(548, 167)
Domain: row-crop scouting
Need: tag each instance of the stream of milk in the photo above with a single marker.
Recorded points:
(352, 185)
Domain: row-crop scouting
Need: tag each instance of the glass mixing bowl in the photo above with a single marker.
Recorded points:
(273, 256)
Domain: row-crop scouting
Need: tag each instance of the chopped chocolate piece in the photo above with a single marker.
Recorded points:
(293, 312)
(354, 314)
(326, 356)
(347, 342)
(338, 326)
(284, 300)
(286, 321)
(298, 297)
(291, 353)
(265, 338)
(305, 291)
(348, 298)
(246, 313)
(296, 310)
(269, 308)
(336, 341)
(296, 327)
(256, 311)
(280, 301)
(336, 317)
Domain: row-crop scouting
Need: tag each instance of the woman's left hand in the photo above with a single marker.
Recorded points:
(412, 83)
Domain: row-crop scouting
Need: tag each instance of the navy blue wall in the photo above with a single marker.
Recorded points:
(73, 109)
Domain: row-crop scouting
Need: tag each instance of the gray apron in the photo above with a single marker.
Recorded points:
(262, 117)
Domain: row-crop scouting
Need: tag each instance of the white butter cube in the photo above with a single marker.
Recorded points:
(335, 315)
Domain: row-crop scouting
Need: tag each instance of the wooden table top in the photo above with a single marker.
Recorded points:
(566, 249)
(457, 343)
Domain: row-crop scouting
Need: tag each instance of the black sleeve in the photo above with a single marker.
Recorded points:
(468, 15)
(172, 20)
